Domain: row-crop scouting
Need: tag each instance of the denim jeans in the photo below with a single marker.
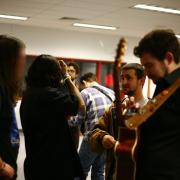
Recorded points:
(91, 160)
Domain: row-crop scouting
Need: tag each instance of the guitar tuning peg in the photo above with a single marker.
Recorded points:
(142, 111)
(154, 101)
(165, 92)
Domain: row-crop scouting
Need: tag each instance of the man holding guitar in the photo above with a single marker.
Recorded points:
(158, 156)
(106, 130)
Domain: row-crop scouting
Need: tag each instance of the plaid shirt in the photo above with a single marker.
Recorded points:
(96, 103)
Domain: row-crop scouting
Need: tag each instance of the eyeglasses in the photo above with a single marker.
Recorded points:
(71, 70)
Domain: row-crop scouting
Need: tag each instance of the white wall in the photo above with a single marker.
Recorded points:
(145, 88)
(69, 43)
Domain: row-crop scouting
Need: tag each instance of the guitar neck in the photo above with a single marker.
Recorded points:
(151, 107)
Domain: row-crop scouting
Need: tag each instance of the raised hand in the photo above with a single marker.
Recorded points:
(63, 67)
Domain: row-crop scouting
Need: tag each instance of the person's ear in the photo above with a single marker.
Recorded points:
(169, 58)
(84, 82)
(143, 80)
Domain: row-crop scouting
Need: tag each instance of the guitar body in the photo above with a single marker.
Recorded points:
(125, 151)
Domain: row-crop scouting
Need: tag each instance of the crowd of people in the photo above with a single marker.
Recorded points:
(56, 108)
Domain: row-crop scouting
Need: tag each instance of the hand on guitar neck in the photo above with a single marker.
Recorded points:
(130, 107)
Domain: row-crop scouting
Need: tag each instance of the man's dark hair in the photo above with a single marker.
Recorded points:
(75, 65)
(137, 67)
(158, 43)
(44, 72)
(90, 77)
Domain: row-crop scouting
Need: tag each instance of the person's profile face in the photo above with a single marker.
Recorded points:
(129, 81)
(154, 68)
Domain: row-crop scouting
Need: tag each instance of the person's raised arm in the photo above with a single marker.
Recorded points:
(71, 86)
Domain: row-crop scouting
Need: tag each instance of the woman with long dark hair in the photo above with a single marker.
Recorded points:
(12, 62)
(45, 107)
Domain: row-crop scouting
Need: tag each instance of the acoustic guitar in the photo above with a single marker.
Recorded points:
(127, 138)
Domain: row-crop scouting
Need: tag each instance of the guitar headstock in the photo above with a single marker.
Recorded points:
(120, 52)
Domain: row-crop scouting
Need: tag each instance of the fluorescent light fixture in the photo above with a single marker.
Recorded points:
(13, 17)
(178, 36)
(95, 26)
(156, 8)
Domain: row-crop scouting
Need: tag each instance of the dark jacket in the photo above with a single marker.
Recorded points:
(6, 118)
(50, 153)
(159, 150)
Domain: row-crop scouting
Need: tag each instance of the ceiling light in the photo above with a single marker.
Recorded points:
(95, 26)
(156, 8)
(178, 36)
(13, 17)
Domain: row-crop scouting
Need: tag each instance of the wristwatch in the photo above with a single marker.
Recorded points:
(66, 75)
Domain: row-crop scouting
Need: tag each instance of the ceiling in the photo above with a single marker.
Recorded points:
(130, 22)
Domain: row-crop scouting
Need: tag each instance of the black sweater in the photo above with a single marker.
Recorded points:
(50, 152)
(159, 151)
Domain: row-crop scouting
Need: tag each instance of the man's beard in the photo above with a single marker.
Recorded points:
(130, 93)
(156, 80)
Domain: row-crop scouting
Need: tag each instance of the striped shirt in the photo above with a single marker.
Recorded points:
(96, 102)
